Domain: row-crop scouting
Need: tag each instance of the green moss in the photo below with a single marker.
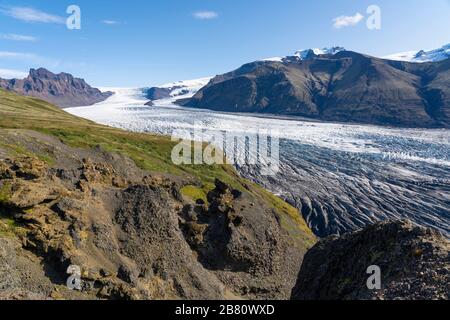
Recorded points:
(49, 160)
(15, 149)
(10, 228)
(7, 226)
(19, 150)
(195, 193)
(5, 192)
(290, 218)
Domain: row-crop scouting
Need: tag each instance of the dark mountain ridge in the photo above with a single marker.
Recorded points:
(61, 89)
(347, 86)
(413, 262)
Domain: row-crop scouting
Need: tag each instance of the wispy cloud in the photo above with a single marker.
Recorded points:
(18, 55)
(28, 14)
(110, 22)
(34, 60)
(205, 15)
(17, 37)
(12, 74)
(347, 21)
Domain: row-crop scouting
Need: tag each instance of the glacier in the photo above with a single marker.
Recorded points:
(341, 177)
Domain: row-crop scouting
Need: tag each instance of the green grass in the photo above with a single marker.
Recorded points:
(149, 152)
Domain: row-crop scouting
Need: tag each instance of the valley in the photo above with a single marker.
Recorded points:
(341, 177)
(219, 159)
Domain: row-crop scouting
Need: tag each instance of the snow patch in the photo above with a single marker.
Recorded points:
(308, 53)
(185, 88)
(274, 59)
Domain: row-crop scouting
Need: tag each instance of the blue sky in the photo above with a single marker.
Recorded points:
(142, 43)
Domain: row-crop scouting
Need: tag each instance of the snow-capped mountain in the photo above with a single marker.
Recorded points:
(409, 56)
(178, 89)
(422, 55)
(306, 54)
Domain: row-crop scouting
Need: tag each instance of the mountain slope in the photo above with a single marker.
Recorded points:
(60, 89)
(73, 192)
(347, 87)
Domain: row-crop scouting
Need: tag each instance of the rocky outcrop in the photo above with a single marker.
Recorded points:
(156, 93)
(61, 89)
(133, 233)
(414, 263)
(347, 86)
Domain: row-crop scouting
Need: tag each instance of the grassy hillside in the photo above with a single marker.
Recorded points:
(150, 152)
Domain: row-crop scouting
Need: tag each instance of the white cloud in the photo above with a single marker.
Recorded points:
(17, 55)
(31, 15)
(205, 15)
(12, 74)
(17, 37)
(110, 22)
(347, 21)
